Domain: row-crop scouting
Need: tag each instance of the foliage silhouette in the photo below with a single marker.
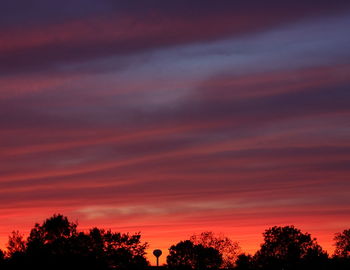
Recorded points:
(227, 248)
(16, 244)
(187, 255)
(288, 248)
(342, 244)
(56, 244)
(122, 251)
(341, 257)
(244, 262)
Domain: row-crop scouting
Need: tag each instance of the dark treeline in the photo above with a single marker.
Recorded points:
(57, 244)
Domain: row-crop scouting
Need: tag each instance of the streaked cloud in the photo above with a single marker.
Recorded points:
(176, 118)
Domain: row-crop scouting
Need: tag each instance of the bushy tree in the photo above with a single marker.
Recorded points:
(55, 228)
(342, 244)
(49, 244)
(288, 248)
(341, 257)
(227, 248)
(187, 255)
(244, 262)
(122, 251)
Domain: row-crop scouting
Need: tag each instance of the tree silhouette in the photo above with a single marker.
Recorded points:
(16, 248)
(16, 244)
(341, 257)
(187, 255)
(56, 244)
(54, 228)
(244, 262)
(342, 244)
(227, 248)
(49, 244)
(288, 248)
(122, 251)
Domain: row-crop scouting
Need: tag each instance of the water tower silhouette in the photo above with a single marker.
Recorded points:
(157, 253)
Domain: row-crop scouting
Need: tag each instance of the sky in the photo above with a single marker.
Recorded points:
(171, 118)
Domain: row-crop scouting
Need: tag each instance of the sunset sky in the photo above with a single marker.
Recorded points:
(176, 117)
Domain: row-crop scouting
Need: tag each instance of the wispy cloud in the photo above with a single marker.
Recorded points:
(176, 118)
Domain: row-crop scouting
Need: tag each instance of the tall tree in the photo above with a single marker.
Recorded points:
(228, 249)
(288, 248)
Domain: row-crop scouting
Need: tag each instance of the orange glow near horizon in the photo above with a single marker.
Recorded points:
(248, 233)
